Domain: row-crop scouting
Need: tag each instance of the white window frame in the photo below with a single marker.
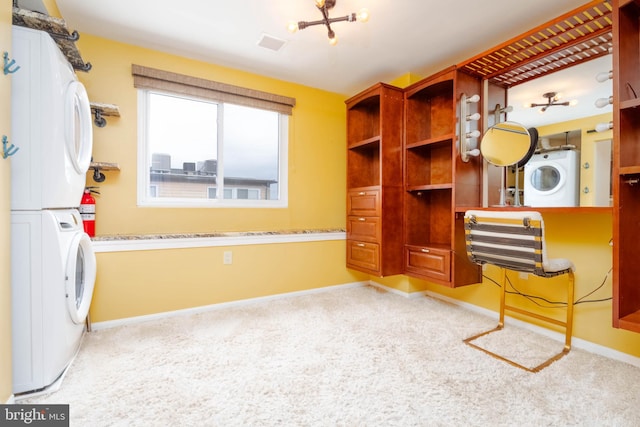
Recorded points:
(144, 163)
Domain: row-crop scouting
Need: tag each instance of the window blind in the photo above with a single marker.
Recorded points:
(151, 78)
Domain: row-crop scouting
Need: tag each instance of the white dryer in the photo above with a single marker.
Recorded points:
(51, 124)
(552, 179)
(53, 271)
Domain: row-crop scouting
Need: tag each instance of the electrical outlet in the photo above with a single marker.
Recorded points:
(227, 257)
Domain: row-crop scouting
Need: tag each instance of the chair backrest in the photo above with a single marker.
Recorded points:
(508, 239)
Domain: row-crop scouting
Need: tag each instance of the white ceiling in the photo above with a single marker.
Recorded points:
(402, 36)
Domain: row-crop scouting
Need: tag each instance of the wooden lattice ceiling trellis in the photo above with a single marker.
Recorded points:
(578, 36)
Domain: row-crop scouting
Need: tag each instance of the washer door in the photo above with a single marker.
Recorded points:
(80, 277)
(78, 127)
(547, 178)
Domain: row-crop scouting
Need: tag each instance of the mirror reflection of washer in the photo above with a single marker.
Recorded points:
(552, 179)
(55, 265)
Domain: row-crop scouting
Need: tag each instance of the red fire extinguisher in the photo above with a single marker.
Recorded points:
(88, 211)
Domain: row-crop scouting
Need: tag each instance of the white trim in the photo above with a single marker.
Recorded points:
(575, 342)
(149, 244)
(206, 308)
(11, 401)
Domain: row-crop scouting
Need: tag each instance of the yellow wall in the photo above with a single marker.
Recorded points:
(145, 282)
(5, 209)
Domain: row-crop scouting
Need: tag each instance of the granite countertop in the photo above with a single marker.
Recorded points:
(108, 238)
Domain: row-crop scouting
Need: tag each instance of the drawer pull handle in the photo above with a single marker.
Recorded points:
(426, 251)
(361, 245)
(362, 193)
(362, 219)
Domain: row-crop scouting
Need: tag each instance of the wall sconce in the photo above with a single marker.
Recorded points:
(500, 110)
(324, 6)
(603, 127)
(467, 147)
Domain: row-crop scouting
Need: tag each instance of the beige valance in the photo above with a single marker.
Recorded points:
(150, 78)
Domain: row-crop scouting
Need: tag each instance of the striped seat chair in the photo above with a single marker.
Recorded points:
(515, 240)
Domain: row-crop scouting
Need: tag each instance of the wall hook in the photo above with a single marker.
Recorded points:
(99, 120)
(8, 64)
(97, 175)
(8, 150)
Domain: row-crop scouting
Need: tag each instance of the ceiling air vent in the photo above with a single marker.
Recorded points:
(270, 42)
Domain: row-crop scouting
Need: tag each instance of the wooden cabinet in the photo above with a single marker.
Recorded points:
(374, 181)
(626, 167)
(436, 180)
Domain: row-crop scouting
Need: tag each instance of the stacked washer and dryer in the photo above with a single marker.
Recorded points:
(52, 260)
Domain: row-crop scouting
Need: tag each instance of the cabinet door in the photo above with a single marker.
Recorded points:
(428, 262)
(364, 228)
(363, 202)
(363, 254)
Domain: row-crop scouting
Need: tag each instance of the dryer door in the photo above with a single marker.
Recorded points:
(546, 178)
(80, 277)
(78, 127)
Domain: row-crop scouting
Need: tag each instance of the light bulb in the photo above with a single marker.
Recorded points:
(604, 76)
(320, 3)
(363, 15)
(603, 127)
(474, 116)
(474, 98)
(573, 103)
(333, 40)
(603, 102)
(292, 27)
(475, 152)
(473, 134)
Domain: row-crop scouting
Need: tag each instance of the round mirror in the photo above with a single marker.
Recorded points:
(506, 144)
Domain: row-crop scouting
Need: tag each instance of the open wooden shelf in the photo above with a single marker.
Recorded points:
(57, 28)
(104, 166)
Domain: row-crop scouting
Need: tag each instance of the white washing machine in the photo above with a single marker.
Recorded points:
(50, 123)
(552, 179)
(53, 271)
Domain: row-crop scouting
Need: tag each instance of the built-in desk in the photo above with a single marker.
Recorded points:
(543, 210)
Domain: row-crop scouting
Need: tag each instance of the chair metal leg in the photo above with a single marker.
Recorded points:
(568, 325)
(503, 295)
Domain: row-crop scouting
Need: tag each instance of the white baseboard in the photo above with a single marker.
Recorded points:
(575, 342)
(202, 309)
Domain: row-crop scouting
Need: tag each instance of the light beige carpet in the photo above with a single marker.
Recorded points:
(347, 357)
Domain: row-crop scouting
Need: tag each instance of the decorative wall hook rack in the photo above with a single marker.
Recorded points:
(8, 150)
(9, 66)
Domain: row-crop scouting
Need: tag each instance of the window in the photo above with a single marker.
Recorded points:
(204, 149)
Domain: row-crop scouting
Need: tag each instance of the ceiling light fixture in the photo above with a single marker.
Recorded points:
(324, 6)
(552, 99)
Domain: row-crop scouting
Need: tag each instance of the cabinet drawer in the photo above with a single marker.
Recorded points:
(363, 254)
(365, 228)
(363, 203)
(429, 262)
